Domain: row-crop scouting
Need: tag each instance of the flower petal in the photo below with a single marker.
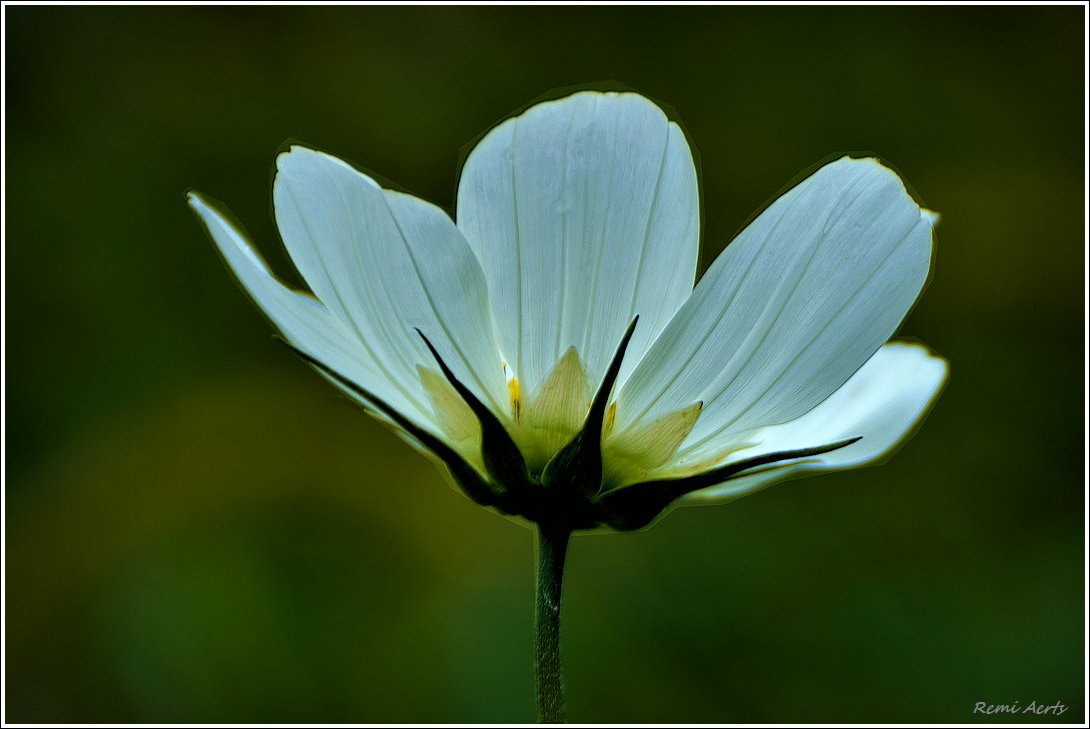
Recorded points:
(583, 212)
(792, 307)
(384, 263)
(303, 321)
(882, 402)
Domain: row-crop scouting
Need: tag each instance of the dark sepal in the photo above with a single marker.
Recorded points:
(475, 487)
(578, 465)
(636, 506)
(502, 457)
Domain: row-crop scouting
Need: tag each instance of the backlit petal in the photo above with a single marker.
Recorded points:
(882, 402)
(387, 263)
(583, 213)
(303, 321)
(792, 308)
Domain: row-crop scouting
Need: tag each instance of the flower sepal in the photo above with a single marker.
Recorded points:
(637, 505)
(578, 465)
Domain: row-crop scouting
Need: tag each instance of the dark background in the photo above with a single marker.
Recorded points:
(200, 529)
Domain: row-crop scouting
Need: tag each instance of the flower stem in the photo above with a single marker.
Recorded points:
(551, 545)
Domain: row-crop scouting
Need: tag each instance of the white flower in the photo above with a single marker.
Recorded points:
(550, 348)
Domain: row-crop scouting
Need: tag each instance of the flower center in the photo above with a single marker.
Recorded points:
(548, 419)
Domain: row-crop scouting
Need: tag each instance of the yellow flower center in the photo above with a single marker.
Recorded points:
(548, 419)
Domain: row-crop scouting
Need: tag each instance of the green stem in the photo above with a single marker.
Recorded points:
(551, 545)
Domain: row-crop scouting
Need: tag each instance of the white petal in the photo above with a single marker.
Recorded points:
(386, 263)
(302, 320)
(882, 402)
(792, 307)
(583, 213)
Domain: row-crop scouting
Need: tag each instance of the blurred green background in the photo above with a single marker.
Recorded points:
(200, 529)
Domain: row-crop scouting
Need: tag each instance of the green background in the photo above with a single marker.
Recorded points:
(199, 529)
